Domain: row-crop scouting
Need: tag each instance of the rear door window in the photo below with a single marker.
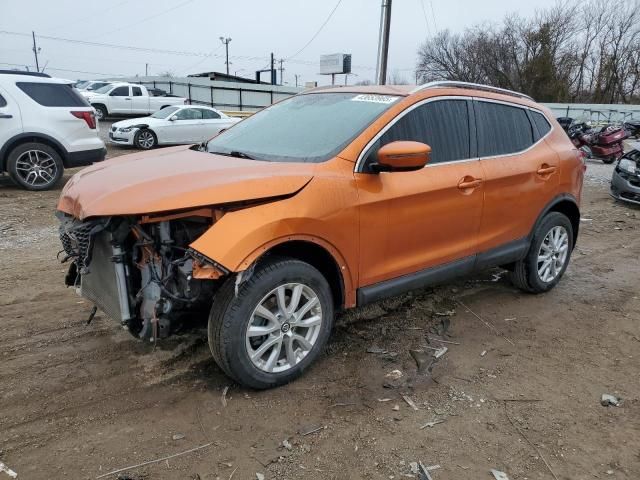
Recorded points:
(120, 92)
(501, 129)
(441, 124)
(137, 91)
(210, 115)
(53, 94)
(541, 124)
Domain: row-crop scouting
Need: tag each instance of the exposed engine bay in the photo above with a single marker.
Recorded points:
(141, 271)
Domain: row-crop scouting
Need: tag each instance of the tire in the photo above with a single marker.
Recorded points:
(609, 160)
(526, 275)
(233, 314)
(145, 139)
(101, 111)
(35, 166)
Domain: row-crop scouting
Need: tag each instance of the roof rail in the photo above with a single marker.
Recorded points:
(474, 86)
(22, 72)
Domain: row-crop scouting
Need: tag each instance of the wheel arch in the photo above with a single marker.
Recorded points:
(568, 206)
(27, 137)
(317, 253)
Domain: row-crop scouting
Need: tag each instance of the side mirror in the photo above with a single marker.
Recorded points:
(402, 156)
(173, 118)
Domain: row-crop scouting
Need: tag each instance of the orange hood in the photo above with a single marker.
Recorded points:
(174, 179)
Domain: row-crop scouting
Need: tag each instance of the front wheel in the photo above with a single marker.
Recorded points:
(145, 139)
(548, 255)
(269, 330)
(609, 160)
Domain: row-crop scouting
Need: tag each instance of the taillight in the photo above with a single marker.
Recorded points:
(88, 117)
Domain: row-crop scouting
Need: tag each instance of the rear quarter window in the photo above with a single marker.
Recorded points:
(502, 129)
(52, 94)
(3, 102)
(541, 125)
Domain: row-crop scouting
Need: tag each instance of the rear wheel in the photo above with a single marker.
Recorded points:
(101, 111)
(609, 160)
(35, 166)
(145, 139)
(276, 324)
(548, 255)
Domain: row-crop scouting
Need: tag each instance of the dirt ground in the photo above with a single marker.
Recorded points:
(518, 389)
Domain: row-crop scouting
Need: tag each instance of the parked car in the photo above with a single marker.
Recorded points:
(90, 85)
(45, 127)
(330, 199)
(625, 182)
(128, 99)
(184, 124)
(632, 127)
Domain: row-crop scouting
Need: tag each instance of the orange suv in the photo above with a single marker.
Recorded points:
(327, 200)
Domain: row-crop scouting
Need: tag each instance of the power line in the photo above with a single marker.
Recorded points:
(433, 15)
(88, 17)
(146, 19)
(426, 20)
(318, 32)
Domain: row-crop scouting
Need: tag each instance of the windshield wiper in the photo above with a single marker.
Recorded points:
(234, 153)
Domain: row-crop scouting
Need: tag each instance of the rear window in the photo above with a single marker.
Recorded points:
(502, 129)
(541, 124)
(209, 114)
(53, 94)
(3, 102)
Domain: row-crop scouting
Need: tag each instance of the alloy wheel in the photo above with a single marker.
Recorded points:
(283, 327)
(145, 139)
(36, 168)
(553, 254)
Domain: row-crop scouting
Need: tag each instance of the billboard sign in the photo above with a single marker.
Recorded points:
(335, 63)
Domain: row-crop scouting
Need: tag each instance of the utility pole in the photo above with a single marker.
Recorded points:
(35, 50)
(146, 69)
(273, 70)
(226, 41)
(296, 75)
(383, 43)
(281, 71)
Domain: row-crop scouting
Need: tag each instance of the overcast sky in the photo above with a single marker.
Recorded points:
(257, 27)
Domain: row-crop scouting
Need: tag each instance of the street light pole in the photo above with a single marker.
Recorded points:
(35, 50)
(383, 42)
(226, 41)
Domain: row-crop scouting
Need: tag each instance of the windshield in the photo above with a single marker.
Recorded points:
(96, 86)
(165, 112)
(304, 128)
(106, 89)
(81, 84)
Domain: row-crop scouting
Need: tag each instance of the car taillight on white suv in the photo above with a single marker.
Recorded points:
(88, 117)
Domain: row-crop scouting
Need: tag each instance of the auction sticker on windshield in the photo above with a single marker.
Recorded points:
(374, 98)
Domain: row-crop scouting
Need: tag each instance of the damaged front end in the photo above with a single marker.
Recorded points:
(140, 270)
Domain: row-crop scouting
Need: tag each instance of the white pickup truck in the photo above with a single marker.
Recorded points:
(128, 99)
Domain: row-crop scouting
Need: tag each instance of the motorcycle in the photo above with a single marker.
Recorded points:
(632, 128)
(604, 143)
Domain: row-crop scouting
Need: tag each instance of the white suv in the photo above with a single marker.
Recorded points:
(45, 127)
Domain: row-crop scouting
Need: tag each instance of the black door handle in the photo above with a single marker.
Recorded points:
(5, 115)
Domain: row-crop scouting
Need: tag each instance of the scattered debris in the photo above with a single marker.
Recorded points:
(510, 319)
(311, 430)
(375, 349)
(259, 476)
(396, 408)
(224, 396)
(440, 352)
(432, 424)
(433, 339)
(483, 353)
(409, 402)
(7, 470)
(413, 467)
(286, 444)
(447, 313)
(487, 324)
(150, 461)
(424, 472)
(610, 400)
(177, 436)
(342, 404)
(583, 219)
(394, 374)
(232, 473)
(423, 361)
(384, 399)
(498, 475)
